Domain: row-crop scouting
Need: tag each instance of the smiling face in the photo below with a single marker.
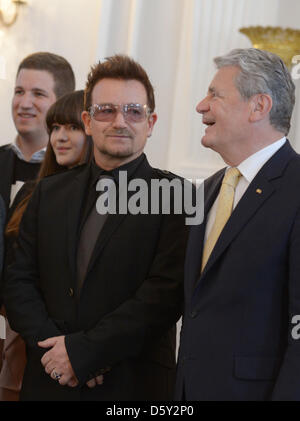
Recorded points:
(225, 113)
(118, 141)
(33, 95)
(68, 143)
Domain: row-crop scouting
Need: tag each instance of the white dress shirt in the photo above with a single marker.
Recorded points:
(37, 157)
(248, 168)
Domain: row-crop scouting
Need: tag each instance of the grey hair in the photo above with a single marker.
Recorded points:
(263, 73)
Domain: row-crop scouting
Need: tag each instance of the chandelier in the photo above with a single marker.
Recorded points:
(9, 10)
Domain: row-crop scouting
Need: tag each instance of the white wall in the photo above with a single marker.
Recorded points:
(289, 16)
(65, 27)
(175, 40)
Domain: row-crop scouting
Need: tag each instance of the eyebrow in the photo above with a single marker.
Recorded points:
(33, 89)
(211, 90)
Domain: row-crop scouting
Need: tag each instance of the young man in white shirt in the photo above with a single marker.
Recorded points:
(41, 79)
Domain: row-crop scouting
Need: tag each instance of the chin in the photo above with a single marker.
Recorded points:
(205, 142)
(120, 153)
(209, 142)
(24, 130)
(60, 162)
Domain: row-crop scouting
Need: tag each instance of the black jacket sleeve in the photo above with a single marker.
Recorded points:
(25, 307)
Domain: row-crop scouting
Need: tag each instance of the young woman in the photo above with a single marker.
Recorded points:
(68, 147)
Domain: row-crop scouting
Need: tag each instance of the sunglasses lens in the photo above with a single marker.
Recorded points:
(104, 113)
(135, 113)
(107, 112)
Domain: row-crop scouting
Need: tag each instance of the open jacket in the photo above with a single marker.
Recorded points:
(125, 313)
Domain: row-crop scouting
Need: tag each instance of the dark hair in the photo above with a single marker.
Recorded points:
(66, 110)
(118, 67)
(57, 66)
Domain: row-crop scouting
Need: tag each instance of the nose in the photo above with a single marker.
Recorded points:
(61, 134)
(119, 120)
(25, 101)
(203, 106)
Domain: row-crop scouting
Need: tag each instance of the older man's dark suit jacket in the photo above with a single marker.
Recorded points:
(125, 315)
(236, 341)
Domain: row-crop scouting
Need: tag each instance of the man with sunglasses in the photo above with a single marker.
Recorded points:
(97, 296)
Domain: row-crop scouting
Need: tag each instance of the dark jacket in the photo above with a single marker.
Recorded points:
(236, 341)
(2, 225)
(124, 317)
(7, 166)
(7, 160)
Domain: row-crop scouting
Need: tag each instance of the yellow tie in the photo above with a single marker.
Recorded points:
(223, 213)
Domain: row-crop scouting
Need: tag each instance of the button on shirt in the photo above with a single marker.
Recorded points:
(249, 168)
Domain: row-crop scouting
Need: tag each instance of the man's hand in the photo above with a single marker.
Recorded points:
(94, 382)
(56, 361)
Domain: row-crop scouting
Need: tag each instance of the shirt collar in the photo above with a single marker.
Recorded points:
(37, 157)
(130, 167)
(251, 166)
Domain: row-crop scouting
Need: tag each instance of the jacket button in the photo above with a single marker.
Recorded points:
(193, 314)
(71, 292)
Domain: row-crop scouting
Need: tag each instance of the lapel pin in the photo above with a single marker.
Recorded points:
(258, 191)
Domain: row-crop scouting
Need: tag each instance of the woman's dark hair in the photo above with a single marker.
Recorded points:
(66, 110)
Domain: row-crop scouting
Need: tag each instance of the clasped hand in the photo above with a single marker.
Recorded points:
(56, 363)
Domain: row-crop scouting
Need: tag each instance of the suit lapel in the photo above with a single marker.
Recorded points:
(212, 190)
(197, 232)
(75, 200)
(112, 223)
(259, 190)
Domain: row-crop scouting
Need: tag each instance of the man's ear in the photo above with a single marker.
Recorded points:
(261, 105)
(152, 119)
(86, 118)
